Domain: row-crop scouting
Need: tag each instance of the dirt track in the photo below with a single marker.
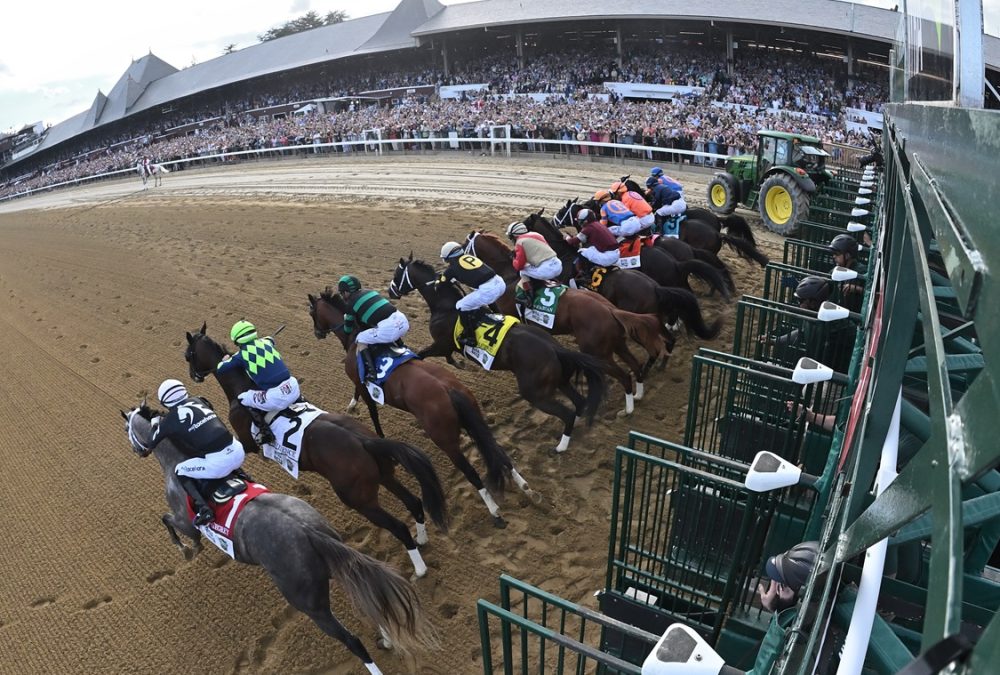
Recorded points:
(98, 285)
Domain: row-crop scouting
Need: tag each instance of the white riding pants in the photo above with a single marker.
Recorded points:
(600, 258)
(549, 269)
(628, 228)
(489, 292)
(215, 464)
(275, 398)
(677, 207)
(389, 329)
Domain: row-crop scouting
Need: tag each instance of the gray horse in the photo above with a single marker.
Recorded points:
(301, 552)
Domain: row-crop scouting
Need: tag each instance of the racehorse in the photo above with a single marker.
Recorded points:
(541, 365)
(441, 403)
(337, 447)
(301, 553)
(154, 171)
(599, 328)
(679, 249)
(702, 229)
(632, 290)
(658, 263)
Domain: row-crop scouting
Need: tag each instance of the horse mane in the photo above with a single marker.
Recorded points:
(333, 298)
(495, 239)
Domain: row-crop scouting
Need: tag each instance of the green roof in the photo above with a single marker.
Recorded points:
(783, 134)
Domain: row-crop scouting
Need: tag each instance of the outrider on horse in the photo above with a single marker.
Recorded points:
(350, 457)
(301, 553)
(441, 403)
(541, 365)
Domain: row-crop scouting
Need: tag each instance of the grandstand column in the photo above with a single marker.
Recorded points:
(444, 56)
(519, 41)
(850, 58)
(730, 67)
(618, 42)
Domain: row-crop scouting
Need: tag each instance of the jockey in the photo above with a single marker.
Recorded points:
(635, 202)
(277, 390)
(663, 179)
(487, 287)
(667, 202)
(603, 247)
(534, 259)
(379, 321)
(616, 216)
(196, 431)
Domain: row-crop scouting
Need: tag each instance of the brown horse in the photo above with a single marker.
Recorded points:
(541, 365)
(441, 403)
(599, 328)
(634, 291)
(337, 447)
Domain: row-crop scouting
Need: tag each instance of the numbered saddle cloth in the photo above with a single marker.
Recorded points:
(629, 253)
(544, 305)
(490, 335)
(671, 225)
(288, 426)
(387, 358)
(597, 276)
(220, 530)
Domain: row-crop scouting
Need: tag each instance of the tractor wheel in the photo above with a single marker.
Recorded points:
(782, 203)
(722, 194)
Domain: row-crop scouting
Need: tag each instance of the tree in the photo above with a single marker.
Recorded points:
(307, 21)
(229, 49)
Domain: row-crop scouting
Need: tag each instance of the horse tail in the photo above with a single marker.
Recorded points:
(745, 249)
(705, 272)
(738, 226)
(416, 462)
(375, 590)
(683, 303)
(644, 329)
(497, 460)
(574, 362)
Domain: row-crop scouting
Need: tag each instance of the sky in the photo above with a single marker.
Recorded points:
(55, 55)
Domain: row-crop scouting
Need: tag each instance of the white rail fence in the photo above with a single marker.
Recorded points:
(504, 145)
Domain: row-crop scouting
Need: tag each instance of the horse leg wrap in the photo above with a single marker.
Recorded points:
(563, 444)
(421, 537)
(629, 404)
(419, 567)
(640, 390)
(373, 669)
(519, 480)
(490, 504)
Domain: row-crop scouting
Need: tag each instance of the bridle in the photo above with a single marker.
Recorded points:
(323, 332)
(400, 289)
(189, 354)
(138, 446)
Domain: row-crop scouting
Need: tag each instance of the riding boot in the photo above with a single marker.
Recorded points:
(266, 436)
(369, 362)
(203, 513)
(658, 221)
(468, 334)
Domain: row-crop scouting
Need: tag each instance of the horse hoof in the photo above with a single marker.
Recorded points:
(623, 413)
(535, 497)
(416, 577)
(499, 523)
(383, 643)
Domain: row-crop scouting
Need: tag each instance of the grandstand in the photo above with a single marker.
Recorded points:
(828, 71)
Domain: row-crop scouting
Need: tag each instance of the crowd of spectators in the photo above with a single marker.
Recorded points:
(769, 90)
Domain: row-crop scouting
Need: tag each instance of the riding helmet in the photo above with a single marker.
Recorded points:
(792, 567)
(618, 187)
(844, 243)
(451, 249)
(243, 332)
(651, 181)
(602, 195)
(171, 392)
(656, 172)
(584, 215)
(813, 288)
(516, 229)
(348, 284)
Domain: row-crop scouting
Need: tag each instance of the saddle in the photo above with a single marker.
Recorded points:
(221, 490)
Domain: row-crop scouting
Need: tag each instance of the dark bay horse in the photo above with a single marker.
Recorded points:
(442, 404)
(703, 229)
(337, 447)
(631, 290)
(301, 553)
(656, 261)
(599, 328)
(541, 365)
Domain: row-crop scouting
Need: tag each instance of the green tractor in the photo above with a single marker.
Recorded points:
(778, 180)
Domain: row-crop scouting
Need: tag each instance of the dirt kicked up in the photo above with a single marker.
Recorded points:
(97, 288)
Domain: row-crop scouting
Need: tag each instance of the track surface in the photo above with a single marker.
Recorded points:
(98, 285)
